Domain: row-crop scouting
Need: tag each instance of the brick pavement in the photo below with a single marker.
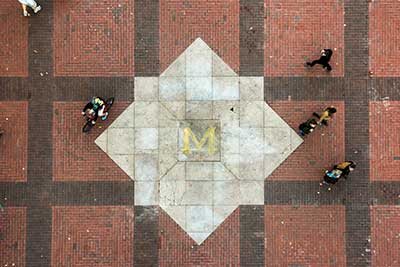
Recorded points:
(38, 44)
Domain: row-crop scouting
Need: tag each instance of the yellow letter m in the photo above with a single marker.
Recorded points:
(209, 134)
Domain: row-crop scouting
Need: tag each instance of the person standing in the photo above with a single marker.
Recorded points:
(29, 3)
(326, 55)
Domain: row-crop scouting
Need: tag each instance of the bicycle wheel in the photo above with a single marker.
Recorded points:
(87, 127)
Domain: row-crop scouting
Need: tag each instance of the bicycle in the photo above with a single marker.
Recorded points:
(89, 119)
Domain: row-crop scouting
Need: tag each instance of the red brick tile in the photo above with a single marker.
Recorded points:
(12, 236)
(384, 128)
(305, 236)
(14, 40)
(222, 248)
(296, 31)
(384, 55)
(92, 236)
(93, 38)
(385, 238)
(75, 155)
(216, 22)
(14, 141)
(321, 149)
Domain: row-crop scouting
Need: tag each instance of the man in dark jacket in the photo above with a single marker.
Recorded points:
(326, 55)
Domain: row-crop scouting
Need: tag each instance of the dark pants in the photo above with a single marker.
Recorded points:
(321, 62)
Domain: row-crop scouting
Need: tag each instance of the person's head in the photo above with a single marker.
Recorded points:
(313, 123)
(352, 165)
(90, 113)
(323, 52)
(331, 110)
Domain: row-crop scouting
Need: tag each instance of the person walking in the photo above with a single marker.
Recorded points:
(29, 3)
(307, 127)
(326, 55)
(341, 170)
(325, 116)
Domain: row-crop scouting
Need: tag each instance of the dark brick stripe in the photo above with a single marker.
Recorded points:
(252, 236)
(38, 237)
(303, 193)
(356, 38)
(14, 89)
(93, 193)
(146, 236)
(82, 88)
(384, 89)
(385, 193)
(252, 38)
(357, 186)
(147, 59)
(13, 194)
(358, 234)
(304, 88)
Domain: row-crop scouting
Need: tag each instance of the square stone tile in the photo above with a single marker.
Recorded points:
(250, 140)
(172, 192)
(294, 34)
(199, 88)
(198, 60)
(199, 110)
(230, 140)
(384, 141)
(252, 114)
(172, 88)
(226, 193)
(226, 88)
(200, 171)
(385, 234)
(251, 88)
(120, 141)
(14, 141)
(146, 167)
(289, 229)
(13, 41)
(146, 114)
(252, 166)
(146, 193)
(13, 236)
(383, 54)
(251, 192)
(107, 49)
(146, 88)
(227, 112)
(199, 218)
(146, 140)
(90, 236)
(198, 193)
(168, 140)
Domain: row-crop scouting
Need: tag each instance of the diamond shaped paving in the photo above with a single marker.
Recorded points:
(199, 140)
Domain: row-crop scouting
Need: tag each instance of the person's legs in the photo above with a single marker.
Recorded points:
(35, 7)
(313, 63)
(328, 67)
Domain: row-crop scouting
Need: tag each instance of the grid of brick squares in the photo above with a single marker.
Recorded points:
(222, 248)
(384, 134)
(305, 236)
(216, 22)
(13, 41)
(14, 141)
(384, 38)
(385, 238)
(296, 31)
(321, 149)
(12, 236)
(92, 236)
(94, 39)
(76, 156)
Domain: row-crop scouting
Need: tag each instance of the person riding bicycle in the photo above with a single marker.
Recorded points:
(94, 109)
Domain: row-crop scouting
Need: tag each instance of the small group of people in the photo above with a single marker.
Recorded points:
(94, 109)
(341, 170)
(29, 3)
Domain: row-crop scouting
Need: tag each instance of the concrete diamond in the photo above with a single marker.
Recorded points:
(158, 141)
